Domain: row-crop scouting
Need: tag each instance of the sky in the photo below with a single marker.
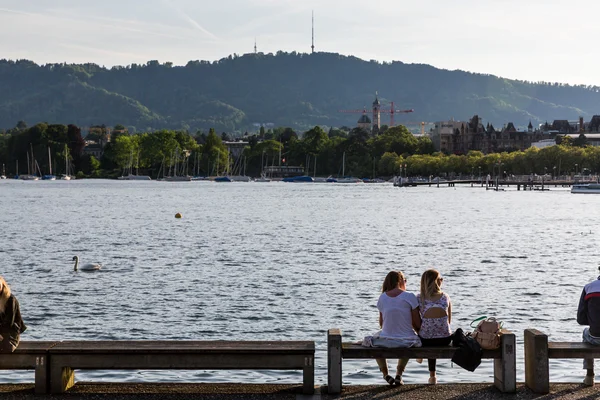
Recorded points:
(536, 40)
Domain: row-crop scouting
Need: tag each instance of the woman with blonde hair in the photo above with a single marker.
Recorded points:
(436, 315)
(11, 324)
(398, 319)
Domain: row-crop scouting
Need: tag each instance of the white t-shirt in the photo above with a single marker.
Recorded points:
(397, 317)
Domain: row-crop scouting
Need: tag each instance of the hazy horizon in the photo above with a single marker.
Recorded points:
(536, 41)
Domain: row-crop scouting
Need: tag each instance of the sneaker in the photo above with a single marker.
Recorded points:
(432, 380)
(589, 380)
(419, 360)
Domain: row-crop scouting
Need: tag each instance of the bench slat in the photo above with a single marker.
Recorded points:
(191, 346)
(572, 350)
(34, 347)
(351, 350)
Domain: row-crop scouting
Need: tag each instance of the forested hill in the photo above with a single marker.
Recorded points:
(286, 89)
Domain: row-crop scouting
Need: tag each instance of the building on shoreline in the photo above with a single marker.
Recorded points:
(460, 137)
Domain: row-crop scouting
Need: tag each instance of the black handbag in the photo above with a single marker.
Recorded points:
(469, 352)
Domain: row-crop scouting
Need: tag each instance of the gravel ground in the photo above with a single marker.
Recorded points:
(179, 391)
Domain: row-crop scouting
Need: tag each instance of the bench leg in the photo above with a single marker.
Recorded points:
(505, 368)
(588, 365)
(41, 375)
(537, 373)
(61, 379)
(334, 361)
(308, 373)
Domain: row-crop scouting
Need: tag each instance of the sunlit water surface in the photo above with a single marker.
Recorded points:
(275, 261)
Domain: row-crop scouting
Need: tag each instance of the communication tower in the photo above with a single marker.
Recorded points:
(313, 33)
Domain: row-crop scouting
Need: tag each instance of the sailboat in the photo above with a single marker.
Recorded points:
(66, 176)
(129, 170)
(344, 178)
(30, 164)
(173, 169)
(3, 176)
(320, 179)
(49, 177)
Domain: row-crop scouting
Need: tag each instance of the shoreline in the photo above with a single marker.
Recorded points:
(225, 391)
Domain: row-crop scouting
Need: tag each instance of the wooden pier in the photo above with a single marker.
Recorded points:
(494, 184)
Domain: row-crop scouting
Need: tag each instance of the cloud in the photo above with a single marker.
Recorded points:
(6, 10)
(185, 16)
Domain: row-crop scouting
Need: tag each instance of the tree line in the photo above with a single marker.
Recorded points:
(394, 151)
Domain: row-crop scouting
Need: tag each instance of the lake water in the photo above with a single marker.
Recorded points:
(276, 261)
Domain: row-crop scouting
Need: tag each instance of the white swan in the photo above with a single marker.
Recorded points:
(85, 267)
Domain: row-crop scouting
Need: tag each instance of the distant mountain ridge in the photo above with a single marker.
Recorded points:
(285, 89)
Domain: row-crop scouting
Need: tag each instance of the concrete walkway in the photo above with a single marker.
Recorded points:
(185, 391)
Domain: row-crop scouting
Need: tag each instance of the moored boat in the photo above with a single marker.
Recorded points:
(131, 177)
(240, 178)
(296, 179)
(586, 188)
(28, 177)
(263, 178)
(349, 179)
(329, 179)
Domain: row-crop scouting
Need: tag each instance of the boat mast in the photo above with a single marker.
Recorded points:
(32, 160)
(49, 160)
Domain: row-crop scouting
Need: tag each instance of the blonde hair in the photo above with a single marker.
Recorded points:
(4, 294)
(430, 284)
(392, 280)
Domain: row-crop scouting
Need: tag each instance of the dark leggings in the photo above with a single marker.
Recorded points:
(8, 345)
(437, 342)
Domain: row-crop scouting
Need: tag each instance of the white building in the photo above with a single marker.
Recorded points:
(442, 130)
(544, 143)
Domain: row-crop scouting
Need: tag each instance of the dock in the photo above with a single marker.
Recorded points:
(492, 184)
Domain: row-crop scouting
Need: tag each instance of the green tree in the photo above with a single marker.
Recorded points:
(215, 154)
(388, 164)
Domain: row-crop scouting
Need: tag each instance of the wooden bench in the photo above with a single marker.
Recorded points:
(538, 351)
(30, 355)
(67, 356)
(505, 371)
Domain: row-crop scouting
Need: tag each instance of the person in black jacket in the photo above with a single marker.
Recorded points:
(11, 324)
(588, 313)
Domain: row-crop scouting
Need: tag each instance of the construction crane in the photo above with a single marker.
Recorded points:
(392, 111)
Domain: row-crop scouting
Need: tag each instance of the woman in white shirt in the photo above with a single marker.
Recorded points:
(399, 320)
